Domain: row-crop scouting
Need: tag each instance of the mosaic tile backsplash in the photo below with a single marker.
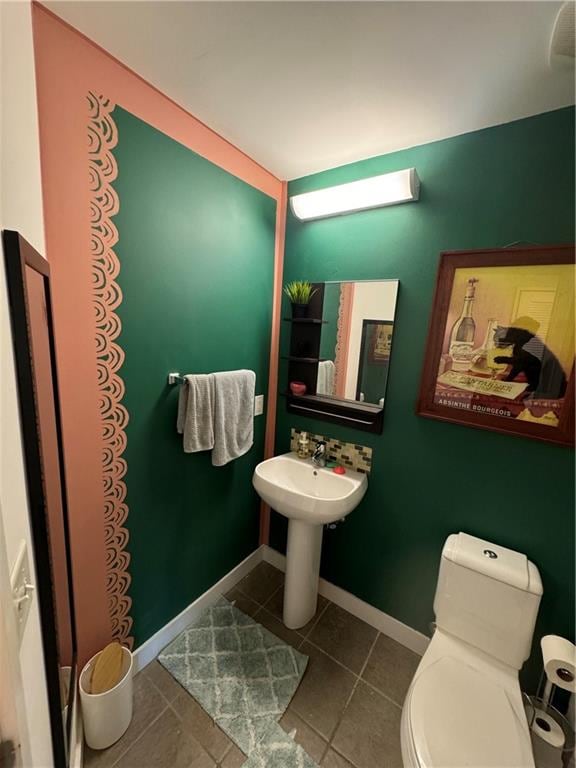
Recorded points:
(357, 457)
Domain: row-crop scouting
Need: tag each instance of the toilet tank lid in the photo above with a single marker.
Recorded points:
(505, 565)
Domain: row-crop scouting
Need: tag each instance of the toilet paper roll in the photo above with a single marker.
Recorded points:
(547, 729)
(559, 661)
(547, 741)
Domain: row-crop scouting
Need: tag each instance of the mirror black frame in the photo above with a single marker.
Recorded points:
(306, 334)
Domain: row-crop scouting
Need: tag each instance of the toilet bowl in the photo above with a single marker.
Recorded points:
(464, 706)
(463, 709)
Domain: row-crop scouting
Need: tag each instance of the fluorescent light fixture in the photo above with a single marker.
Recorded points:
(375, 192)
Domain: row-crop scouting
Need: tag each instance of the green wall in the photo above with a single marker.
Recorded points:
(484, 189)
(196, 247)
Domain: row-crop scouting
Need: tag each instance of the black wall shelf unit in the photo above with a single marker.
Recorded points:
(304, 353)
(349, 413)
(303, 359)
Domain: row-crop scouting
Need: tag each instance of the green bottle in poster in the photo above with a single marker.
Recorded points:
(462, 336)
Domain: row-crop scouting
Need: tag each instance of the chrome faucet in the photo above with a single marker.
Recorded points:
(319, 455)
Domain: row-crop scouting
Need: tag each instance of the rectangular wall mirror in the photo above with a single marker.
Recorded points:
(341, 352)
(28, 281)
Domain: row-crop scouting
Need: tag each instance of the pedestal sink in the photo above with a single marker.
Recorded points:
(309, 496)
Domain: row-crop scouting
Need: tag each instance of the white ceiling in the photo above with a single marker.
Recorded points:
(305, 86)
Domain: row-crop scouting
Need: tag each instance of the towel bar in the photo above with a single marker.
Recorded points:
(175, 378)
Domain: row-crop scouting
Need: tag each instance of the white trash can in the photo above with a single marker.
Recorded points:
(106, 716)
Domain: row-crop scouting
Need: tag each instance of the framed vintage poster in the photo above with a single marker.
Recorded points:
(500, 351)
(380, 341)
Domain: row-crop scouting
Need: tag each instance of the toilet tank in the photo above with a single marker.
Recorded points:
(488, 596)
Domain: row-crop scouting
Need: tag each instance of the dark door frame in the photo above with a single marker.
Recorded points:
(363, 344)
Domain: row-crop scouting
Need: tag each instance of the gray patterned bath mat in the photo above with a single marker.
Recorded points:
(244, 677)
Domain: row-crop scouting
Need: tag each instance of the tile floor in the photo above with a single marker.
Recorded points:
(346, 711)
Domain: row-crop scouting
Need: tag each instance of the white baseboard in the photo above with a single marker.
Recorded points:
(275, 558)
(381, 621)
(148, 651)
(390, 626)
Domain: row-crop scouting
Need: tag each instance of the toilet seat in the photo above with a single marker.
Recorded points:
(462, 712)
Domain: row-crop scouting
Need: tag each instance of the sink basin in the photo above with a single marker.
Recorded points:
(309, 497)
(299, 490)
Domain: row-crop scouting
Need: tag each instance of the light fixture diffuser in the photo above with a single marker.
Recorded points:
(375, 192)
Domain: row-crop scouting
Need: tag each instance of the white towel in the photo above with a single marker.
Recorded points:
(196, 413)
(233, 415)
(326, 375)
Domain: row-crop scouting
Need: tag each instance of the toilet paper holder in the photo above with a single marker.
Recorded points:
(559, 657)
(551, 734)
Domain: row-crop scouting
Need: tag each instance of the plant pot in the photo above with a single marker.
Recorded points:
(299, 310)
(297, 387)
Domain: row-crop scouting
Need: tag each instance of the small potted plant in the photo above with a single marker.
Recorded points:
(299, 292)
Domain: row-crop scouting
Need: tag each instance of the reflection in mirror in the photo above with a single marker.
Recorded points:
(357, 330)
(46, 415)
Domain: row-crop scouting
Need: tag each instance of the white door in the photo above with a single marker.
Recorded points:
(14, 746)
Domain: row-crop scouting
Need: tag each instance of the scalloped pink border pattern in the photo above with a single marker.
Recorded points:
(343, 337)
(107, 296)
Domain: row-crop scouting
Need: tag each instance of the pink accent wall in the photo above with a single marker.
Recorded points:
(68, 65)
(274, 348)
(343, 337)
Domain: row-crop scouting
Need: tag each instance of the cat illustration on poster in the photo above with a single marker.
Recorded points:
(530, 356)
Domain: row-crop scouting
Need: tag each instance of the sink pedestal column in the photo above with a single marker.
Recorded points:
(302, 573)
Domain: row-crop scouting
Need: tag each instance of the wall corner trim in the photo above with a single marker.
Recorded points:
(271, 413)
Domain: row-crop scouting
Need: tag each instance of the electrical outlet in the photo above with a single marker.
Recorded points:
(22, 589)
(258, 405)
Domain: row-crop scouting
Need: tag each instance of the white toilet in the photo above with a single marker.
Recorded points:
(464, 707)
